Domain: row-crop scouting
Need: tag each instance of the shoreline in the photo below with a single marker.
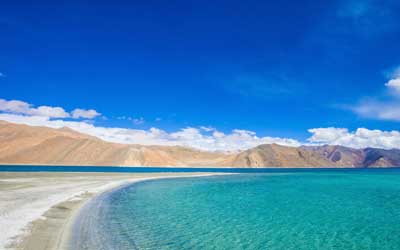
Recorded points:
(183, 168)
(49, 226)
(68, 237)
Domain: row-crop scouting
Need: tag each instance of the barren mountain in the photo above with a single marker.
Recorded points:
(339, 155)
(280, 156)
(350, 157)
(375, 157)
(22, 144)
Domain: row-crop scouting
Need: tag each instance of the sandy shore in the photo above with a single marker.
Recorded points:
(37, 209)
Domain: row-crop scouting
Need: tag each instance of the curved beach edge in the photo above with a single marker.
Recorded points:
(53, 230)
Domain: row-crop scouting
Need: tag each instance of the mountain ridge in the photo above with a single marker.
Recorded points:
(24, 144)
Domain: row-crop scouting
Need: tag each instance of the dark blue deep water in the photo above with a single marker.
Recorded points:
(111, 169)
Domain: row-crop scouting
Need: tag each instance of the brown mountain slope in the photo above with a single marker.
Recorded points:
(360, 158)
(280, 156)
(341, 156)
(377, 158)
(22, 144)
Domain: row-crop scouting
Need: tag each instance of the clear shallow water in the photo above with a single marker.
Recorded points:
(338, 210)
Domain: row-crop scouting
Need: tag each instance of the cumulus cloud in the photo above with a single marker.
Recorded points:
(217, 140)
(20, 107)
(24, 108)
(204, 138)
(192, 137)
(327, 135)
(14, 106)
(55, 112)
(361, 138)
(394, 84)
(84, 113)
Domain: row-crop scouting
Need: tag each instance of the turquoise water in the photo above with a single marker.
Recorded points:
(349, 210)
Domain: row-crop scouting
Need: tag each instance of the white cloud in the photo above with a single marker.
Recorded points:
(361, 138)
(236, 140)
(394, 84)
(322, 135)
(387, 108)
(378, 110)
(24, 108)
(207, 129)
(14, 106)
(204, 138)
(55, 112)
(84, 113)
(218, 134)
(192, 137)
(20, 107)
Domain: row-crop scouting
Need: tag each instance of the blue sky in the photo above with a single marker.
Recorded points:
(277, 68)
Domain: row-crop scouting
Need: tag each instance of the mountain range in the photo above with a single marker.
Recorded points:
(23, 144)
